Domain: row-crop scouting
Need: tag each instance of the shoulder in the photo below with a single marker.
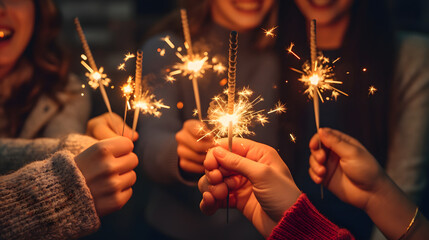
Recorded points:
(412, 49)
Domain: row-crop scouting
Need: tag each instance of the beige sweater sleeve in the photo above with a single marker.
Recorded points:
(46, 199)
(15, 153)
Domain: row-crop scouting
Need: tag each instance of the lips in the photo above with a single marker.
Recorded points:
(321, 3)
(248, 5)
(5, 33)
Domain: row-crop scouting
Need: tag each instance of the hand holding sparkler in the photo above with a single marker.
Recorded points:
(190, 149)
(259, 180)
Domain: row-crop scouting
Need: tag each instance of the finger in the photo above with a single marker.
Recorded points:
(190, 141)
(128, 133)
(190, 166)
(186, 153)
(197, 129)
(235, 182)
(342, 144)
(126, 163)
(203, 184)
(219, 191)
(234, 162)
(208, 204)
(127, 179)
(316, 179)
(317, 168)
(117, 146)
(314, 142)
(103, 131)
(214, 176)
(210, 163)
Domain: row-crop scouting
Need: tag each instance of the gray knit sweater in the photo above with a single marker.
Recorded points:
(47, 198)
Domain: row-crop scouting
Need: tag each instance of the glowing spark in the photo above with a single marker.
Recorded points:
(320, 78)
(162, 52)
(270, 32)
(243, 116)
(121, 66)
(83, 56)
(128, 88)
(195, 112)
(292, 52)
(169, 78)
(83, 86)
(147, 104)
(335, 95)
(96, 78)
(372, 90)
(364, 70)
(168, 41)
(219, 68)
(279, 108)
(292, 138)
(128, 56)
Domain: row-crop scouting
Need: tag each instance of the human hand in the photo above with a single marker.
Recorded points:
(345, 167)
(191, 151)
(108, 170)
(260, 184)
(101, 127)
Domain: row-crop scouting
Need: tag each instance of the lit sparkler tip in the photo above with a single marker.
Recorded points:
(219, 68)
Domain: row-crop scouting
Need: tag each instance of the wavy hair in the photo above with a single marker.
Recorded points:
(49, 62)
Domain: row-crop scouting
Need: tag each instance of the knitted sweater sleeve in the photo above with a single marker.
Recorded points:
(46, 199)
(303, 221)
(15, 153)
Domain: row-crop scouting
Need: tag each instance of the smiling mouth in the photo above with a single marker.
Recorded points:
(248, 5)
(5, 34)
(321, 3)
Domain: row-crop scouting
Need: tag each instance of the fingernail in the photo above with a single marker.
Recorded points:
(219, 152)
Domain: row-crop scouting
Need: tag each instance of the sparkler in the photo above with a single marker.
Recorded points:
(96, 77)
(128, 90)
(193, 65)
(144, 101)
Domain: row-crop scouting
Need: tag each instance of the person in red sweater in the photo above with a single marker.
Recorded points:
(262, 188)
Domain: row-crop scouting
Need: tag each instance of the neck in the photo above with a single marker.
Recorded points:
(330, 36)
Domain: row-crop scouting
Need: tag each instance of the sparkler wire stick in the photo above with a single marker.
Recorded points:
(138, 88)
(125, 117)
(188, 42)
(93, 65)
(313, 51)
(232, 67)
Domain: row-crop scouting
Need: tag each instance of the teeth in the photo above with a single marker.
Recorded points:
(4, 32)
(247, 6)
(321, 3)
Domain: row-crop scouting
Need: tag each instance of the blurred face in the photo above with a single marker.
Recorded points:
(16, 29)
(240, 15)
(324, 11)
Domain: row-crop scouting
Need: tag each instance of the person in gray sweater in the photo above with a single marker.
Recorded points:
(50, 186)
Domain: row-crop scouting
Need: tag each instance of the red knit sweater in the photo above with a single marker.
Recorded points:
(303, 221)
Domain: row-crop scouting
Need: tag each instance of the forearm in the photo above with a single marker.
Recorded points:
(46, 199)
(392, 211)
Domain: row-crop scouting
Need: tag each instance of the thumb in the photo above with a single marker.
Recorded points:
(236, 163)
(342, 144)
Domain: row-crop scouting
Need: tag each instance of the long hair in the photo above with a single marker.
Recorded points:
(369, 44)
(199, 15)
(49, 63)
